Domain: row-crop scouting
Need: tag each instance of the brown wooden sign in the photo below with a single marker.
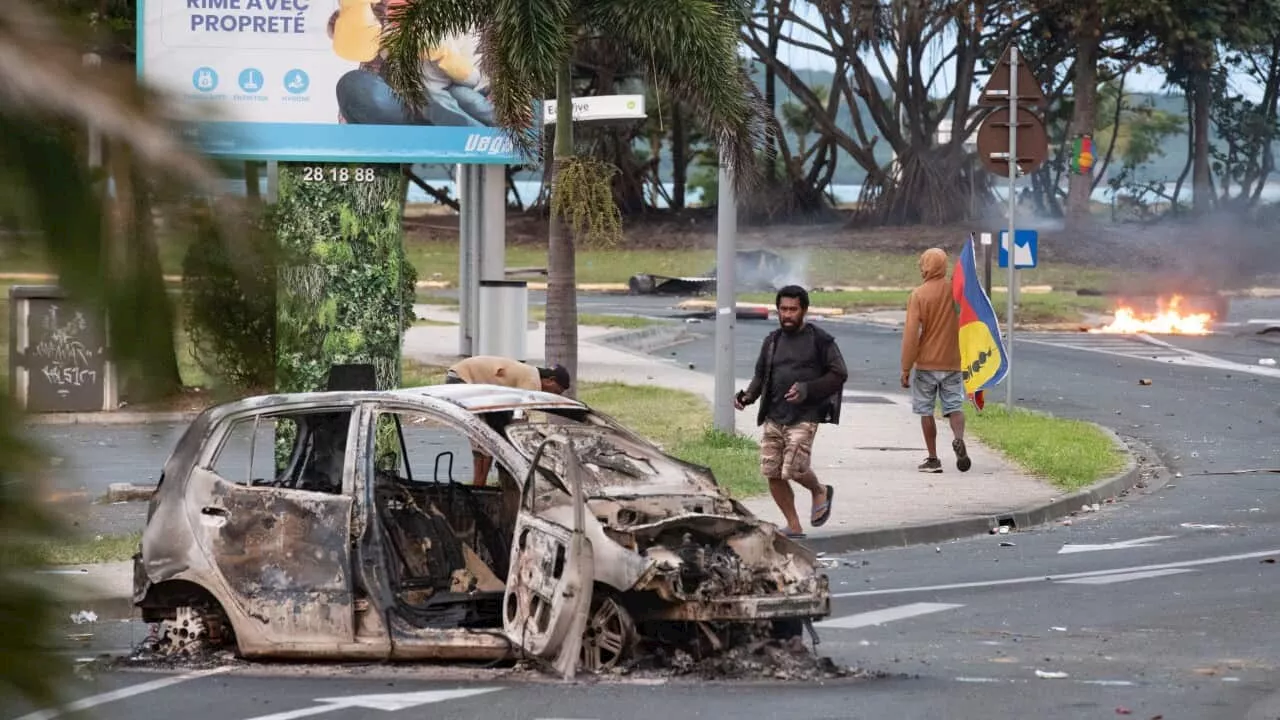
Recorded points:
(996, 93)
(993, 142)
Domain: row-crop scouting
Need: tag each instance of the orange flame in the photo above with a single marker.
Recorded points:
(1168, 321)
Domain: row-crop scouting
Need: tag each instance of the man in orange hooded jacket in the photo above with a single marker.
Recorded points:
(931, 347)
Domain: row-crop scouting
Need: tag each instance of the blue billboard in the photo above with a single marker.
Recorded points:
(305, 80)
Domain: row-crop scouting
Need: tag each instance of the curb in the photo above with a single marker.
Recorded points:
(646, 340)
(109, 418)
(710, 305)
(1103, 491)
(128, 492)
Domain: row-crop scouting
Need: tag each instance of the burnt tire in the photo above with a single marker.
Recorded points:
(610, 636)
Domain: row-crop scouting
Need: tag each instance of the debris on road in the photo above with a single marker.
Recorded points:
(84, 616)
(1051, 675)
(1006, 543)
(1123, 711)
(1267, 362)
(1144, 381)
(760, 658)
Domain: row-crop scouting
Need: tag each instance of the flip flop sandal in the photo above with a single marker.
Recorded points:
(822, 513)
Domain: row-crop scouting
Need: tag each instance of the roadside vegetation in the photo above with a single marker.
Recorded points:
(1071, 454)
(74, 550)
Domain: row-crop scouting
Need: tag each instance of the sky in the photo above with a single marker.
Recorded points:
(1146, 81)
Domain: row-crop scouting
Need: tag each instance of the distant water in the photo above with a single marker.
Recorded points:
(529, 190)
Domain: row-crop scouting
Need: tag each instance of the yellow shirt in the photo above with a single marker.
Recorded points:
(492, 370)
(357, 32)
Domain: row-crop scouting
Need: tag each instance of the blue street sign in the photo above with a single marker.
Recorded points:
(1026, 248)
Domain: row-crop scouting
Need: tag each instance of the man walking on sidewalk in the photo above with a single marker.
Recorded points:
(493, 370)
(931, 345)
(799, 380)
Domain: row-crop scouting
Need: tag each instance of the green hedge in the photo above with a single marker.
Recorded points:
(346, 290)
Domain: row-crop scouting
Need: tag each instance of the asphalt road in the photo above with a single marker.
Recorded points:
(1160, 606)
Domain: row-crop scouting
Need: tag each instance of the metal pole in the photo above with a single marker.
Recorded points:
(465, 347)
(726, 301)
(93, 60)
(1013, 205)
(273, 181)
(986, 262)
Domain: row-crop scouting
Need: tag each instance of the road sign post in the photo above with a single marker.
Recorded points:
(1022, 150)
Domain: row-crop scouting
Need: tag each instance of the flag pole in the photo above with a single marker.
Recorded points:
(1013, 204)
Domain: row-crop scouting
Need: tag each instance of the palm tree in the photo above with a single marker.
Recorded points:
(690, 48)
(103, 251)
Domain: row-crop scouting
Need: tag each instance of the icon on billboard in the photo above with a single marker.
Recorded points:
(205, 79)
(251, 80)
(296, 82)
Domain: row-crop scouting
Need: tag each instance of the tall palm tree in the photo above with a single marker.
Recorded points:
(690, 47)
(102, 251)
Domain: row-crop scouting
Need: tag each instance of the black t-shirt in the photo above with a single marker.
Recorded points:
(796, 359)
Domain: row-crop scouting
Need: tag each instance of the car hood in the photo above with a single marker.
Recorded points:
(615, 465)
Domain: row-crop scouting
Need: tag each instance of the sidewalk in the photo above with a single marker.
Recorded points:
(870, 458)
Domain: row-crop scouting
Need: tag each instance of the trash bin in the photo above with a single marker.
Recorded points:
(504, 317)
(58, 354)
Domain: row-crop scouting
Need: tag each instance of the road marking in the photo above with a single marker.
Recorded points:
(390, 702)
(1143, 347)
(121, 694)
(879, 617)
(1122, 545)
(1124, 577)
(1058, 578)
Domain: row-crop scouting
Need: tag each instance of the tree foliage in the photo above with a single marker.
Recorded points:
(55, 205)
(688, 49)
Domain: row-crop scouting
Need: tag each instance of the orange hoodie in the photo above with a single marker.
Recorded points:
(931, 337)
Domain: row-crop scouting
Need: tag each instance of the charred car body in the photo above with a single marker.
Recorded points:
(329, 525)
(754, 270)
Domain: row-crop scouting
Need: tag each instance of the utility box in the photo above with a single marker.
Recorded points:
(504, 318)
(58, 354)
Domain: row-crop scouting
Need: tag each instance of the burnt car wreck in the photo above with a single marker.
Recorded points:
(331, 526)
(754, 270)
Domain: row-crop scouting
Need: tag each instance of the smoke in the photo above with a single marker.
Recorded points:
(796, 270)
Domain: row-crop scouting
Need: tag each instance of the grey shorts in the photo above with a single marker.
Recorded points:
(928, 386)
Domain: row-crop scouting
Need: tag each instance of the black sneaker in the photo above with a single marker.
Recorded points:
(963, 463)
(930, 465)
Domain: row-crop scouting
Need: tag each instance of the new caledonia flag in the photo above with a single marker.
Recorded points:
(982, 354)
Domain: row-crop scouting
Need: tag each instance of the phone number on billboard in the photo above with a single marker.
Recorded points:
(335, 173)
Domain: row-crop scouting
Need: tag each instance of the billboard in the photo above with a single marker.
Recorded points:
(303, 80)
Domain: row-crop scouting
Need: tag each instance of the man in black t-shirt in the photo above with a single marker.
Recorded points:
(799, 379)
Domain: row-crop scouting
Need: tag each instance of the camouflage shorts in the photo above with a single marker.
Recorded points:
(785, 449)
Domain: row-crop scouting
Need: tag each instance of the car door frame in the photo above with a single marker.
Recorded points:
(549, 586)
(288, 600)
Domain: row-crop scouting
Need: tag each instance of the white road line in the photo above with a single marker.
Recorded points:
(121, 694)
(879, 617)
(1122, 545)
(1058, 578)
(1124, 577)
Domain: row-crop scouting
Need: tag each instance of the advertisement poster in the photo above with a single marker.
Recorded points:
(302, 80)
